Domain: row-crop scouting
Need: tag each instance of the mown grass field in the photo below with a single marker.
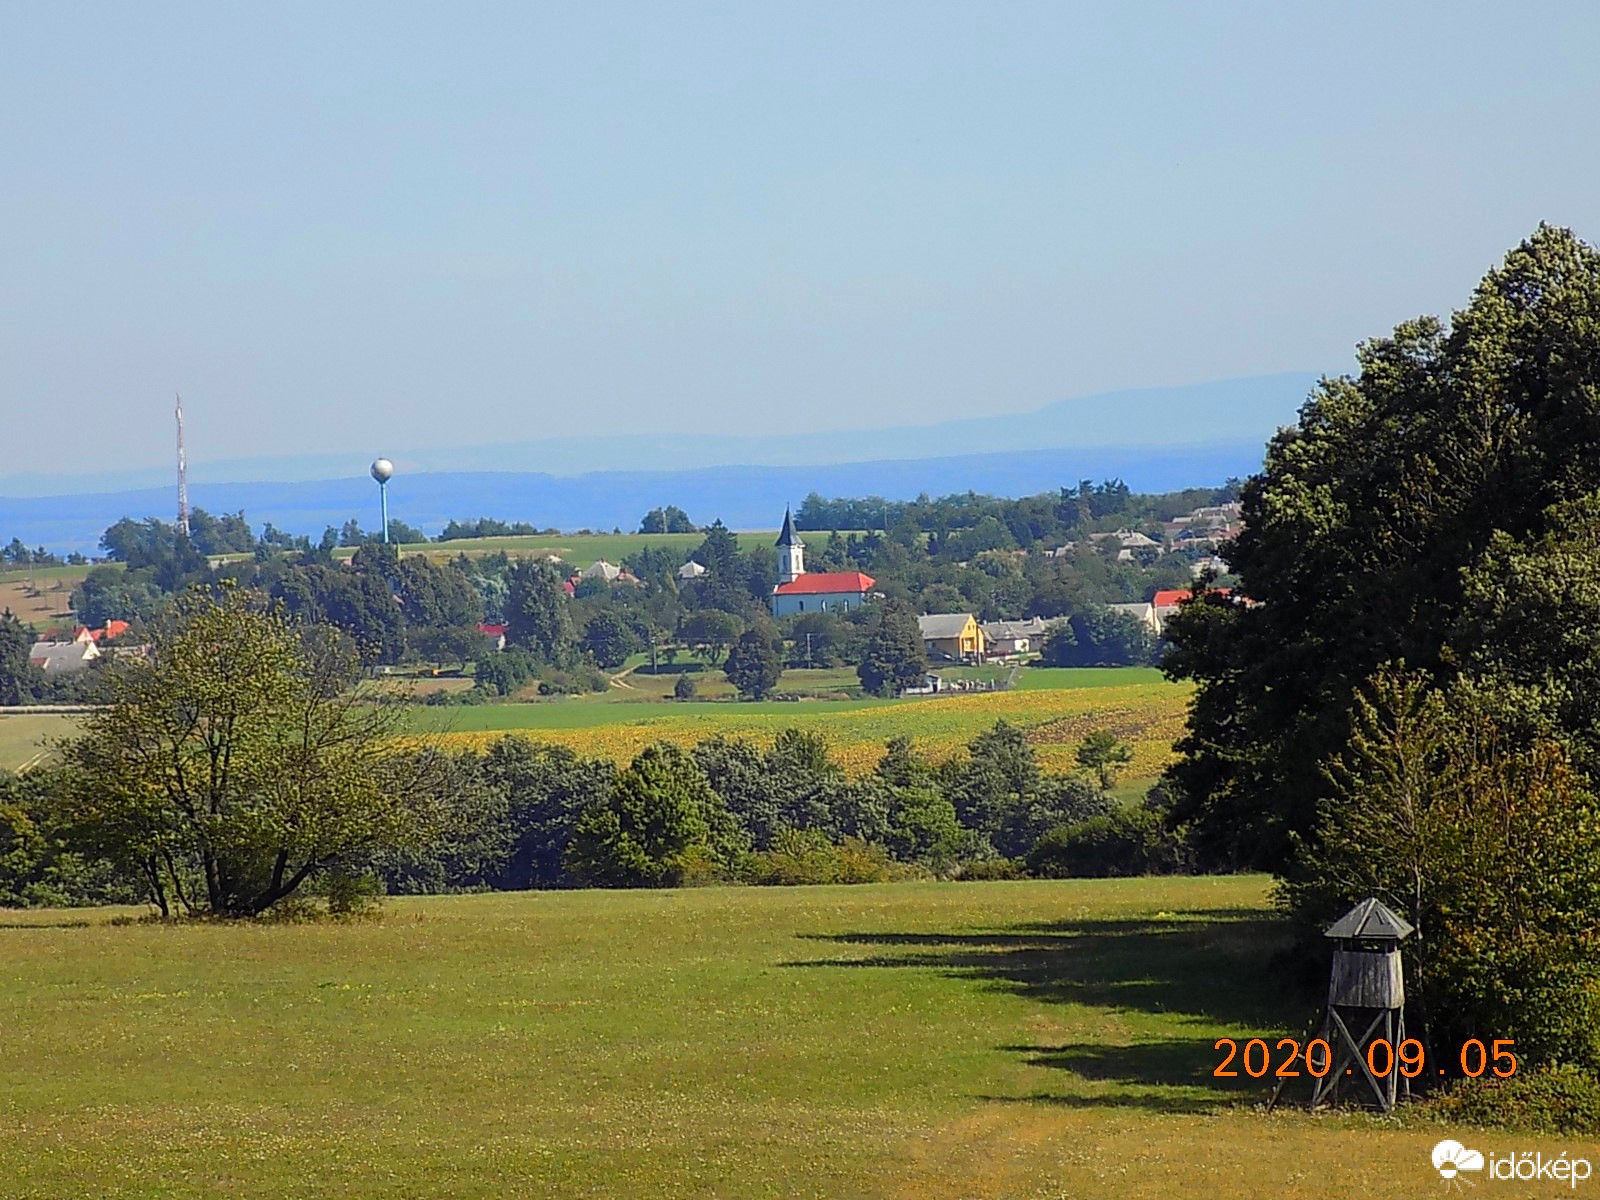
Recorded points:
(43, 604)
(928, 1041)
(24, 737)
(1147, 714)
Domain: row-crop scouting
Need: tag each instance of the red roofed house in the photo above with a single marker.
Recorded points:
(1165, 603)
(113, 629)
(818, 591)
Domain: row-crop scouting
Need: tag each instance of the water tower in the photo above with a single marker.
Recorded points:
(383, 471)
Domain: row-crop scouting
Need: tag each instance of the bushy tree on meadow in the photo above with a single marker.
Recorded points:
(608, 639)
(236, 761)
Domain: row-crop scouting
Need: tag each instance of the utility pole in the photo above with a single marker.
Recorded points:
(183, 476)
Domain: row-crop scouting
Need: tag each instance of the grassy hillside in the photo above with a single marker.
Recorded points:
(579, 550)
(926, 1040)
(1148, 714)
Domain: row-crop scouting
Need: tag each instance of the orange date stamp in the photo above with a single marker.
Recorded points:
(1315, 1058)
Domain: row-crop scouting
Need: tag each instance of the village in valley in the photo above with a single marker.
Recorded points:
(953, 638)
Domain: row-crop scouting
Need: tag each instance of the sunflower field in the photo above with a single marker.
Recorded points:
(1149, 716)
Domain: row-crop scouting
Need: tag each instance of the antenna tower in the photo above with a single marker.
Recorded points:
(183, 477)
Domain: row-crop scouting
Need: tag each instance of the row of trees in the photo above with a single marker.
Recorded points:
(1045, 520)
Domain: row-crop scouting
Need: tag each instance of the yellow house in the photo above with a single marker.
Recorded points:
(954, 636)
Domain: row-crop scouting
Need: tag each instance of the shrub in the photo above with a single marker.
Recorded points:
(683, 688)
(352, 893)
(555, 681)
(806, 856)
(1559, 1099)
(985, 870)
(1121, 843)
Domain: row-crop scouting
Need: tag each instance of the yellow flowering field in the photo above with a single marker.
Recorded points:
(1148, 716)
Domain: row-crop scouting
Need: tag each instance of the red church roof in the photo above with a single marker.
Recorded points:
(827, 583)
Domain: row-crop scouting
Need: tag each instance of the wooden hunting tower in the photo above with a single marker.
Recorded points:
(1366, 992)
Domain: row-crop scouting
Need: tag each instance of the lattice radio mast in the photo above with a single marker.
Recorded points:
(183, 477)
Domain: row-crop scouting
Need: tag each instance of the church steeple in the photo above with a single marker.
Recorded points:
(791, 551)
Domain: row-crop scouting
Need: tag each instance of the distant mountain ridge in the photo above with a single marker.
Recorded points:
(744, 497)
(1158, 419)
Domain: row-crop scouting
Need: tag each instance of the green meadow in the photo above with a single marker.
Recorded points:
(1031, 1039)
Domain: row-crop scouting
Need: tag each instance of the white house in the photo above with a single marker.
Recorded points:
(800, 591)
(1005, 638)
(63, 658)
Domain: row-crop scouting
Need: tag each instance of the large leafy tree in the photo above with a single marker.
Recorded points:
(1374, 535)
(753, 665)
(895, 657)
(539, 614)
(609, 639)
(236, 761)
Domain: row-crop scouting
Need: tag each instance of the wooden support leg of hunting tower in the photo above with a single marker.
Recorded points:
(1348, 1053)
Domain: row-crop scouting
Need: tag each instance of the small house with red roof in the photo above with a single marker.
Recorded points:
(1164, 603)
(800, 591)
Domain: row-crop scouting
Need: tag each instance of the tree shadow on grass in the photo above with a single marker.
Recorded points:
(1213, 969)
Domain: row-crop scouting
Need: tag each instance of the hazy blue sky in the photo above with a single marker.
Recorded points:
(474, 222)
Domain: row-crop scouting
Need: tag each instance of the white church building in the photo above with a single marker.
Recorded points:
(800, 591)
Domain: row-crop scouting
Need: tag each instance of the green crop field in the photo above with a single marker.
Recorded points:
(1037, 1039)
(1047, 678)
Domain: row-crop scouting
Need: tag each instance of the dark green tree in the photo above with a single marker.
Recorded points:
(16, 676)
(110, 593)
(753, 666)
(539, 614)
(608, 639)
(1371, 537)
(712, 632)
(895, 658)
(656, 813)
(670, 519)
(1104, 755)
